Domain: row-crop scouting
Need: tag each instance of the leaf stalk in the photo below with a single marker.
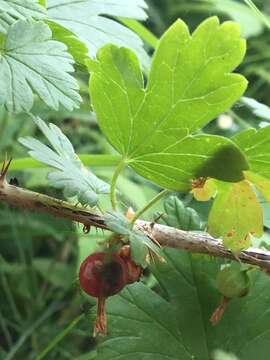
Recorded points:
(116, 174)
(149, 205)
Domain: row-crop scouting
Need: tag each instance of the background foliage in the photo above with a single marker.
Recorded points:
(40, 300)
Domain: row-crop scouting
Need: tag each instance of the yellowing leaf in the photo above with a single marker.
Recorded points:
(205, 190)
(235, 215)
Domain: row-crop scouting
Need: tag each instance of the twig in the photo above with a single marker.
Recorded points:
(33, 201)
(166, 236)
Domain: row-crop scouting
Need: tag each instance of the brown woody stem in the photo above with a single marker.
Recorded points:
(166, 236)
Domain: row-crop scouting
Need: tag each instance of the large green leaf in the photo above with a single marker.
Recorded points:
(189, 84)
(236, 206)
(12, 10)
(235, 215)
(84, 19)
(175, 325)
(31, 62)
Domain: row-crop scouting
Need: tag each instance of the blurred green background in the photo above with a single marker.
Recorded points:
(39, 294)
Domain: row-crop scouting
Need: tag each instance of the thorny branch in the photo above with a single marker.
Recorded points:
(166, 236)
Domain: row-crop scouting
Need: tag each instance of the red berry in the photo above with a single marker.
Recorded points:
(103, 275)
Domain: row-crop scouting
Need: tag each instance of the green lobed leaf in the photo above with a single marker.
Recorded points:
(235, 215)
(256, 146)
(31, 62)
(85, 19)
(249, 22)
(151, 126)
(144, 325)
(75, 46)
(80, 26)
(179, 216)
(13, 10)
(70, 173)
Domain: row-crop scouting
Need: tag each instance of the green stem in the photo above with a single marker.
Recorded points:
(117, 172)
(88, 160)
(149, 205)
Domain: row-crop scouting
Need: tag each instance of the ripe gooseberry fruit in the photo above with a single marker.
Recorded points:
(102, 275)
(233, 283)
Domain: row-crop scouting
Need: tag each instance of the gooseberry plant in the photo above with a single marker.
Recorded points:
(153, 114)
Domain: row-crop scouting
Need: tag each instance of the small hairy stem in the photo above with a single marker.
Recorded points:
(117, 172)
(166, 236)
(149, 205)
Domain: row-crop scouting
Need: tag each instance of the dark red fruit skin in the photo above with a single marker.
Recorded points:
(102, 275)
